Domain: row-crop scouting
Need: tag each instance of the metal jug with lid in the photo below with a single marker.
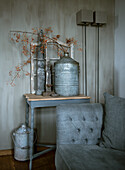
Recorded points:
(21, 137)
(67, 76)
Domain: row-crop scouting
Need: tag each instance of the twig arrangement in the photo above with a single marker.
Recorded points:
(23, 40)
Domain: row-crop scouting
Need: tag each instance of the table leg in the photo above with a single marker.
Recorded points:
(31, 137)
(27, 114)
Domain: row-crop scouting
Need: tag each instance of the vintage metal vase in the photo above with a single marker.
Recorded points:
(67, 76)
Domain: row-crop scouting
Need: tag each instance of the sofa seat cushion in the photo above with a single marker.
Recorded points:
(88, 157)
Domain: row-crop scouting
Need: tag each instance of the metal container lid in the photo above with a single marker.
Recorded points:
(66, 59)
(22, 129)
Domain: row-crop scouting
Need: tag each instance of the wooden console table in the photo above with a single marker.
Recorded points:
(35, 101)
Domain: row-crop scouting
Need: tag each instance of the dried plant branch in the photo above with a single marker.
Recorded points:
(23, 41)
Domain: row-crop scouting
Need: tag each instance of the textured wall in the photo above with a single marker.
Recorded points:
(61, 16)
(119, 71)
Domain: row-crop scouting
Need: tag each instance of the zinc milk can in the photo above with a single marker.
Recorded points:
(67, 76)
(21, 137)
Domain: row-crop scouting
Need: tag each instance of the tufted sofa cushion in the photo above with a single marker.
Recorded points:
(79, 123)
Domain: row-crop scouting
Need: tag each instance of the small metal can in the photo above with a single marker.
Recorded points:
(21, 137)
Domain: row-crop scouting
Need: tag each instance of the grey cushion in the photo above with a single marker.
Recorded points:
(114, 124)
(78, 123)
(88, 157)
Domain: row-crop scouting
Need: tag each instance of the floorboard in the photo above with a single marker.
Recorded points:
(43, 162)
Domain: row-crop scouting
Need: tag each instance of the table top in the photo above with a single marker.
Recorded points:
(33, 97)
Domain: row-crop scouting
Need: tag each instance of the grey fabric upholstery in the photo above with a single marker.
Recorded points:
(79, 123)
(114, 124)
(77, 126)
(89, 157)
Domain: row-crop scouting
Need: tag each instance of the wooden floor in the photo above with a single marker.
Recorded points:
(44, 162)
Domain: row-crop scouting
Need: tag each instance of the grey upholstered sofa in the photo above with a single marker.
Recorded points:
(82, 141)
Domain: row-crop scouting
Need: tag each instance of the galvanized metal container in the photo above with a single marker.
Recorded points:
(40, 77)
(67, 76)
(21, 138)
(40, 73)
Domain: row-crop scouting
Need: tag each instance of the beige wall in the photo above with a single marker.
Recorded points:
(61, 16)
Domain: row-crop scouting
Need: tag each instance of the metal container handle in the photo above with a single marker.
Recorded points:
(18, 146)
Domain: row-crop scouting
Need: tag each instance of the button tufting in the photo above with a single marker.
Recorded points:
(70, 118)
(91, 129)
(78, 130)
(96, 118)
(99, 139)
(84, 118)
(73, 140)
(86, 140)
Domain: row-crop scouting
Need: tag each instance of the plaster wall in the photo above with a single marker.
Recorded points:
(61, 16)
(119, 71)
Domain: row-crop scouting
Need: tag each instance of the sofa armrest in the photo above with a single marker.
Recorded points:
(78, 123)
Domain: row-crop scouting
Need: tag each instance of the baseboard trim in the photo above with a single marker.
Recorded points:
(6, 152)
